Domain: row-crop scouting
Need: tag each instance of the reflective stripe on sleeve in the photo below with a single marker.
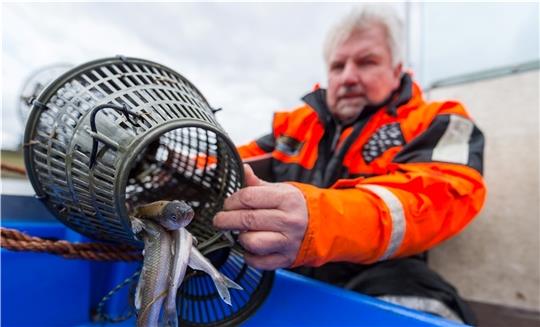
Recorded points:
(453, 146)
(397, 215)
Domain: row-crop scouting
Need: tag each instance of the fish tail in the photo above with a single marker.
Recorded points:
(170, 317)
(223, 283)
(223, 290)
(231, 284)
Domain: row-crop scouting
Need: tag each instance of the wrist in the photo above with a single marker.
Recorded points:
(343, 225)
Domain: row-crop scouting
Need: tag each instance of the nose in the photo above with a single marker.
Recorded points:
(350, 74)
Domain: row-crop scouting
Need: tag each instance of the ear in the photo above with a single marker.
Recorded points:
(398, 70)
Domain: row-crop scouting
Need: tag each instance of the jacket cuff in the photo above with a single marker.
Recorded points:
(343, 225)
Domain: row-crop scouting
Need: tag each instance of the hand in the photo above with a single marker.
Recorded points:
(272, 219)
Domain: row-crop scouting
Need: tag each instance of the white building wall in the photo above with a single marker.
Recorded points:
(496, 258)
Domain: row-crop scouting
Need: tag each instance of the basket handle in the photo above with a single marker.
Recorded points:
(95, 140)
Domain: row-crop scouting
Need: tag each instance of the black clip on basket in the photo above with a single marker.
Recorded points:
(117, 132)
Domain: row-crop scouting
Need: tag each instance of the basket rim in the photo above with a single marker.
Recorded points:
(61, 80)
(151, 135)
(133, 149)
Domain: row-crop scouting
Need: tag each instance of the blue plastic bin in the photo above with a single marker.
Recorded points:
(47, 290)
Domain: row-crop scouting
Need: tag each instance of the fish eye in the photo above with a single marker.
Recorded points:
(173, 217)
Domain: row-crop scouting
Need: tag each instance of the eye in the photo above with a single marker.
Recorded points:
(369, 62)
(173, 217)
(336, 66)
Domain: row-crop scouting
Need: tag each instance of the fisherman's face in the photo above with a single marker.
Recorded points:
(360, 72)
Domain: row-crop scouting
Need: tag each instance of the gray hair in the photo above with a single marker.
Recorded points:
(361, 18)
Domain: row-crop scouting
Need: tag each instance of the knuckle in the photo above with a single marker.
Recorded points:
(282, 242)
(246, 197)
(249, 219)
(299, 224)
(292, 221)
(292, 192)
(250, 243)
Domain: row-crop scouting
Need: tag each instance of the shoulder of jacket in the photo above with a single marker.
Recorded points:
(298, 114)
(301, 110)
(420, 118)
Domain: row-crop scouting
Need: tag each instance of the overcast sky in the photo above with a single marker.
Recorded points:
(250, 59)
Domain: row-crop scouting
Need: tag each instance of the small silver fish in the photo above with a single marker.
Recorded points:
(198, 261)
(182, 248)
(174, 216)
(152, 286)
(170, 214)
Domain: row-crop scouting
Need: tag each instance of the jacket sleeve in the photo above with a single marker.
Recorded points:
(266, 143)
(258, 147)
(432, 189)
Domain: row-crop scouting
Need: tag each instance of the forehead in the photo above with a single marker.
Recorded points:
(369, 40)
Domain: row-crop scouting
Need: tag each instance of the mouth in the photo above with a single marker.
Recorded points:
(352, 98)
(351, 95)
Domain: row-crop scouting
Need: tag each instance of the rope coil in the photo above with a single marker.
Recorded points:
(13, 169)
(15, 240)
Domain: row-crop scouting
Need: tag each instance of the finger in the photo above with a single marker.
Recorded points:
(263, 243)
(251, 178)
(268, 262)
(250, 220)
(256, 197)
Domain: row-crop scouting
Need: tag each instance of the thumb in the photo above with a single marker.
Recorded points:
(251, 178)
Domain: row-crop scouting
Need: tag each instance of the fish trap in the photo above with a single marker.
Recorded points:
(114, 133)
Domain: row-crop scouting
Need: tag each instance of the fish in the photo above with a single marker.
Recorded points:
(183, 242)
(174, 216)
(198, 261)
(153, 282)
(170, 214)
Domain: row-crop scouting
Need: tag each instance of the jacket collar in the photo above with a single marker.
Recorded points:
(406, 91)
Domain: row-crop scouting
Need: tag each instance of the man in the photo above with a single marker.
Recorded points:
(368, 176)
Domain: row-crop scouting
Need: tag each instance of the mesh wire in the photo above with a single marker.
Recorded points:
(199, 303)
(189, 158)
(168, 147)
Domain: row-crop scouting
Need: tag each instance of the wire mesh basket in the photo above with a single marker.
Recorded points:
(35, 83)
(114, 133)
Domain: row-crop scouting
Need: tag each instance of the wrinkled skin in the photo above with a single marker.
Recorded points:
(272, 218)
(360, 72)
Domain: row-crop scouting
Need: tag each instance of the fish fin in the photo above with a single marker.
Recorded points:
(231, 284)
(138, 291)
(223, 291)
(223, 283)
(199, 262)
(136, 225)
(173, 245)
(170, 318)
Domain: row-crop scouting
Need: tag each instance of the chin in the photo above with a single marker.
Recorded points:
(350, 111)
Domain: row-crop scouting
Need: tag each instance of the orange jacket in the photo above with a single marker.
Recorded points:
(401, 179)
